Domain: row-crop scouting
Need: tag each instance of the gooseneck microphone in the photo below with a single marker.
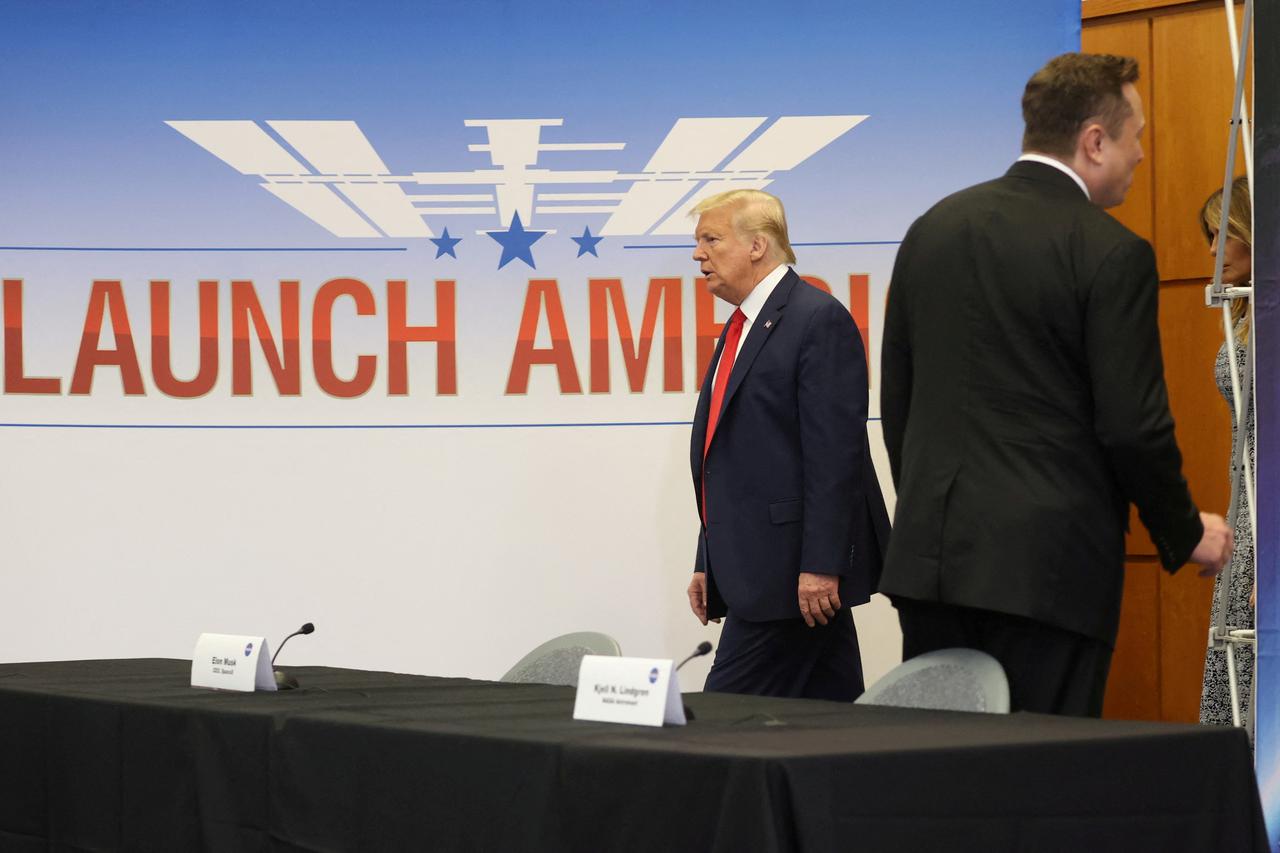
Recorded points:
(284, 681)
(703, 648)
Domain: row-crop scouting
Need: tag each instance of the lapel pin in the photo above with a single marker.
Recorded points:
(768, 324)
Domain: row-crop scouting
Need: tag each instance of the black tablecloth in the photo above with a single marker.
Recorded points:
(123, 755)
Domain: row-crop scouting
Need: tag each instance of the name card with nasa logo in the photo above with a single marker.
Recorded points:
(232, 662)
(637, 691)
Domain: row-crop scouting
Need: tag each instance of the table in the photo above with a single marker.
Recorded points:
(123, 755)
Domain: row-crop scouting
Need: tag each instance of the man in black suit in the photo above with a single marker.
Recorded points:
(1024, 403)
(793, 522)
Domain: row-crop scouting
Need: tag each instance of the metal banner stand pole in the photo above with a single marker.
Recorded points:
(1222, 636)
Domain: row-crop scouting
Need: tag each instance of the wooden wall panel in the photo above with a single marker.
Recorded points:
(1165, 617)
(1190, 338)
(1102, 8)
(1133, 689)
(1184, 620)
(1186, 89)
(1131, 37)
(1192, 76)
(1191, 335)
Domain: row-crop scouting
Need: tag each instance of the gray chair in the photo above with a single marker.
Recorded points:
(557, 660)
(944, 680)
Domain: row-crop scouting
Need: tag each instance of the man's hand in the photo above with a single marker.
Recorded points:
(819, 597)
(698, 597)
(1215, 546)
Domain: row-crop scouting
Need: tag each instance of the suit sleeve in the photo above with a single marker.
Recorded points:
(896, 366)
(1131, 402)
(832, 400)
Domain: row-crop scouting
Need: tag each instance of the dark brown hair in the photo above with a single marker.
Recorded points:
(1069, 91)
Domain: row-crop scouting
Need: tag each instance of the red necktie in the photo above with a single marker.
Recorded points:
(723, 369)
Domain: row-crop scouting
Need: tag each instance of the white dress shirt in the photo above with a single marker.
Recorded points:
(751, 306)
(1061, 167)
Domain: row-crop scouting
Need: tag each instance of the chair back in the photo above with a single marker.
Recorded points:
(944, 680)
(557, 660)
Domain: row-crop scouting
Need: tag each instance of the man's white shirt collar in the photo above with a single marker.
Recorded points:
(760, 294)
(752, 305)
(1061, 167)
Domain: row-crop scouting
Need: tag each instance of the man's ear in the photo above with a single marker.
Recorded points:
(759, 247)
(1090, 143)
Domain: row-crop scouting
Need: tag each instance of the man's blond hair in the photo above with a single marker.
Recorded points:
(757, 212)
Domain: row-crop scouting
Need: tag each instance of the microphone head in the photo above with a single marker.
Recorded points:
(307, 628)
(704, 647)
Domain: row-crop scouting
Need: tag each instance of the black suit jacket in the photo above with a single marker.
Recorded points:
(1024, 405)
(789, 481)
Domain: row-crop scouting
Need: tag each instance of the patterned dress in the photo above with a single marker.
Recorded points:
(1215, 697)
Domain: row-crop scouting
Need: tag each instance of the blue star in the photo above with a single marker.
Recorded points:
(516, 242)
(586, 243)
(445, 243)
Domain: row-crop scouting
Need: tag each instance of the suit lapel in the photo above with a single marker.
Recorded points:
(761, 328)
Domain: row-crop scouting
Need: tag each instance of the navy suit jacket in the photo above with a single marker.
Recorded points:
(789, 483)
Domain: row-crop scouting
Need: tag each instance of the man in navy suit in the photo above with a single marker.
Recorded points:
(793, 522)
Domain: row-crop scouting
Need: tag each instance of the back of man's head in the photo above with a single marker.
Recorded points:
(755, 212)
(1070, 90)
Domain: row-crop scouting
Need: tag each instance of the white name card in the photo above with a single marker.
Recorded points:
(638, 691)
(232, 662)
